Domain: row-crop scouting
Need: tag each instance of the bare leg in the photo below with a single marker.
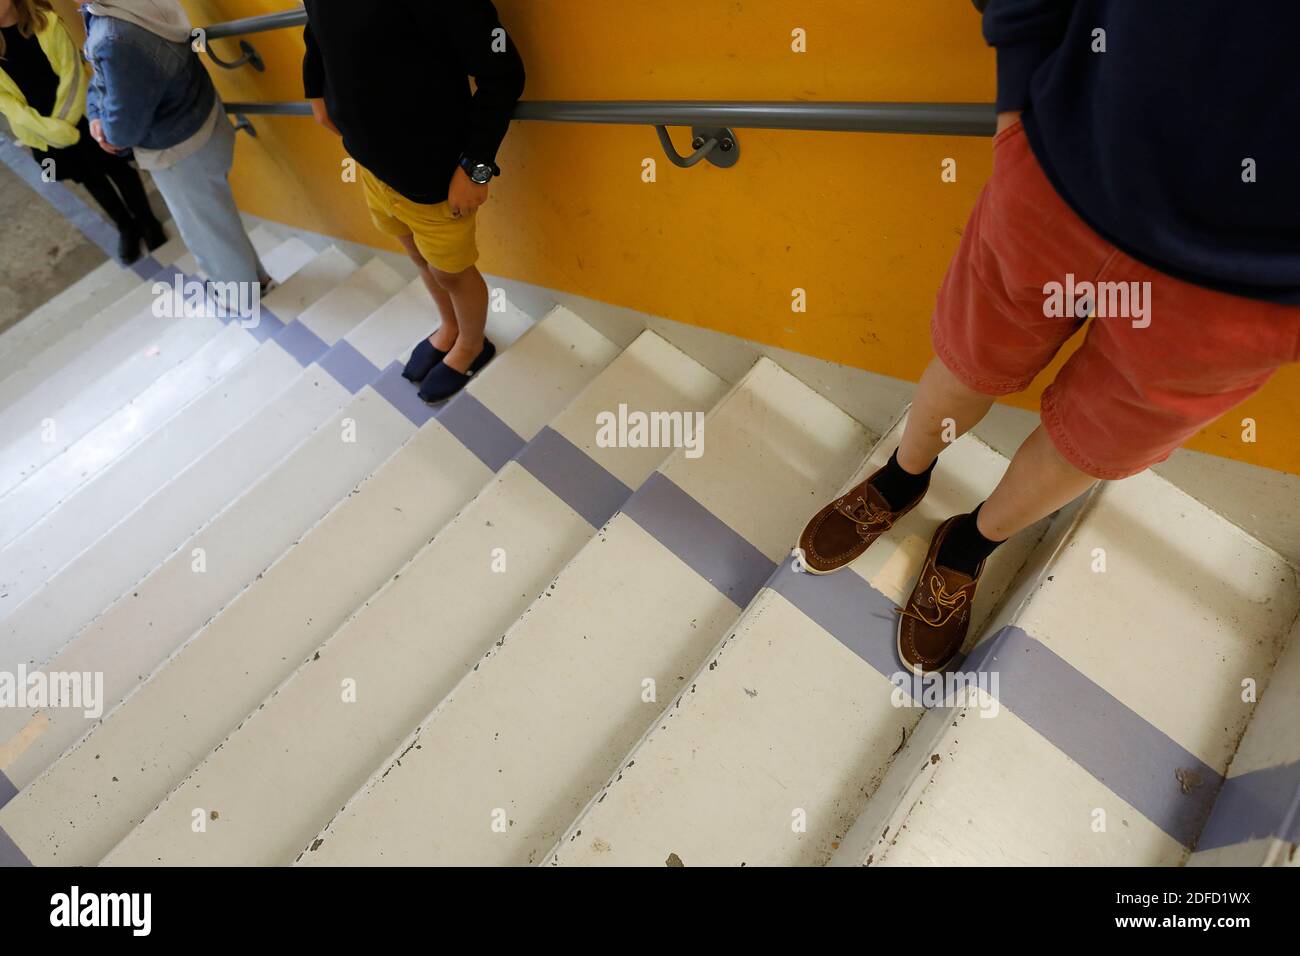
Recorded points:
(939, 397)
(1037, 482)
(445, 335)
(468, 294)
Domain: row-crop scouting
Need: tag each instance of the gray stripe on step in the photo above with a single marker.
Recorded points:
(10, 855)
(7, 789)
(1255, 806)
(1130, 756)
(1164, 781)
(573, 477)
(480, 430)
(699, 538)
(848, 608)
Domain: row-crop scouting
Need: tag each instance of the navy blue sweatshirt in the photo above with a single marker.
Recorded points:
(395, 80)
(1149, 141)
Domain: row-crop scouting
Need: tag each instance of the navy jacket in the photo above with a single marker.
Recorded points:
(1180, 143)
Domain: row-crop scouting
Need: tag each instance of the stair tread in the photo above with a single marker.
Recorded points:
(148, 530)
(794, 714)
(280, 617)
(1077, 708)
(384, 647)
(110, 377)
(103, 314)
(63, 315)
(172, 392)
(535, 727)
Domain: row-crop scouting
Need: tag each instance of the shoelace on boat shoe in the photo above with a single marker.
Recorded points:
(869, 520)
(943, 601)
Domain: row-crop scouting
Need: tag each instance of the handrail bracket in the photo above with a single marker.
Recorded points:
(249, 57)
(716, 144)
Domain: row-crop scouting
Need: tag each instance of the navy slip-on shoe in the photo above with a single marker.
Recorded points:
(444, 382)
(422, 361)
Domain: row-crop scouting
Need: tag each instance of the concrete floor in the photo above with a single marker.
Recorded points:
(41, 253)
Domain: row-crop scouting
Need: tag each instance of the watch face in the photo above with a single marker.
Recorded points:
(481, 174)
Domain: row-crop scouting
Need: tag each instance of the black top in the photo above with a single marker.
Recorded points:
(396, 84)
(1155, 141)
(27, 66)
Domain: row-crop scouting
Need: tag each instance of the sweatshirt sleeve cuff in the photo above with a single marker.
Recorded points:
(1016, 66)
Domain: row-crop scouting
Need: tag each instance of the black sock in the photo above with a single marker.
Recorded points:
(964, 547)
(900, 488)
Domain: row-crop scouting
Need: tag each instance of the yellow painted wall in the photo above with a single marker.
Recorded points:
(861, 222)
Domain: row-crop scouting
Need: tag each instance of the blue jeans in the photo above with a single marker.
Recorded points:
(197, 191)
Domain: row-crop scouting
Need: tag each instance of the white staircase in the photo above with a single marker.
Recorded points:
(335, 626)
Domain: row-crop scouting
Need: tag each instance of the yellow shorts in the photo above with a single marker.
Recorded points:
(445, 241)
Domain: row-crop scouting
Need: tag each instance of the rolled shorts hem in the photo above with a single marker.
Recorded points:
(975, 383)
(1054, 425)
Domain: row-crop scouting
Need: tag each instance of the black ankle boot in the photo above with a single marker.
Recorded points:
(153, 235)
(128, 245)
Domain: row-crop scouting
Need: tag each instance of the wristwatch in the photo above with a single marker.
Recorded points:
(480, 173)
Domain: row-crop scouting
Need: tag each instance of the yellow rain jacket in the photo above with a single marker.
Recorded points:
(59, 130)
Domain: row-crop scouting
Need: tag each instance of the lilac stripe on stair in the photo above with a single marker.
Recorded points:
(304, 345)
(573, 477)
(10, 854)
(699, 538)
(403, 396)
(480, 430)
(1165, 782)
(348, 367)
(269, 325)
(1256, 806)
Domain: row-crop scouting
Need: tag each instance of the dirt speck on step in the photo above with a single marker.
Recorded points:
(673, 860)
(934, 758)
(1188, 779)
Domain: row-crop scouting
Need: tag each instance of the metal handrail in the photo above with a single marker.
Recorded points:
(711, 122)
(934, 119)
(260, 24)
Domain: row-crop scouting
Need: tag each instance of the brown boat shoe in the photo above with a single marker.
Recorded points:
(835, 536)
(933, 625)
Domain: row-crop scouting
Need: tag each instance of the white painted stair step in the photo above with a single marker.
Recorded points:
(64, 314)
(1256, 816)
(237, 659)
(28, 419)
(1120, 696)
(123, 555)
(111, 388)
(55, 370)
(27, 503)
(388, 649)
(769, 753)
(140, 629)
(60, 307)
(123, 328)
(511, 755)
(50, 544)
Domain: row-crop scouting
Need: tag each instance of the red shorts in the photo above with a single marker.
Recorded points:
(1161, 358)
